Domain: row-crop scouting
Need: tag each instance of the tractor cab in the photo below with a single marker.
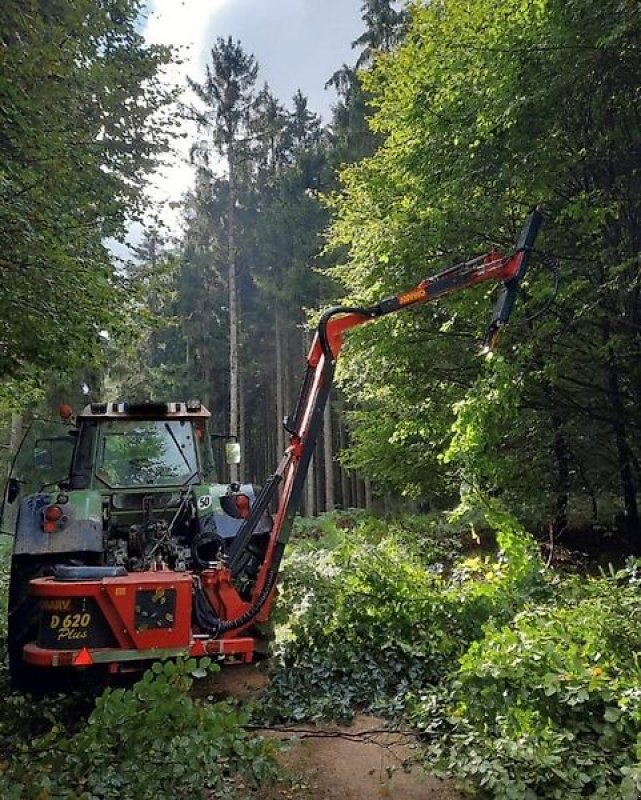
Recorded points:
(131, 448)
(80, 488)
(113, 448)
(43, 460)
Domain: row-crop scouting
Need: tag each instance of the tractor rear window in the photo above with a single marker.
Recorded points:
(146, 453)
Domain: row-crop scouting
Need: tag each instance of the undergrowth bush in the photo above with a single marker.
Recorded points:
(549, 705)
(153, 741)
(377, 611)
(526, 684)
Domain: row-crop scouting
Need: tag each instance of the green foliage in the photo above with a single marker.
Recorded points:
(227, 93)
(548, 705)
(81, 111)
(479, 426)
(135, 369)
(484, 110)
(278, 157)
(524, 685)
(151, 741)
(378, 611)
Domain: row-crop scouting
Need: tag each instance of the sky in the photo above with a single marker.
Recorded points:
(297, 43)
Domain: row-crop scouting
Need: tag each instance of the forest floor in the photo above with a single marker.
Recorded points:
(361, 761)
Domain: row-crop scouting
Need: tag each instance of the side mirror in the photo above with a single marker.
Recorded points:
(12, 489)
(232, 453)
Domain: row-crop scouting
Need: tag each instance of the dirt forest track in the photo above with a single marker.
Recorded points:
(362, 761)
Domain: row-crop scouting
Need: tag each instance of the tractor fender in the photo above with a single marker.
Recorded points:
(81, 530)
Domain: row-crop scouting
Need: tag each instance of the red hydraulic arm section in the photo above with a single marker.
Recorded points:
(304, 425)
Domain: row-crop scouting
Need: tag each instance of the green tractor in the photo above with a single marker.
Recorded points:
(115, 519)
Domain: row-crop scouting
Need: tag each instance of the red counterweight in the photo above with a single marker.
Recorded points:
(130, 613)
(115, 621)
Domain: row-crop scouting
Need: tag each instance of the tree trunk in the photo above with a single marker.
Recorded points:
(234, 322)
(310, 486)
(319, 483)
(280, 389)
(329, 460)
(368, 495)
(246, 452)
(562, 455)
(342, 443)
(15, 437)
(591, 491)
(292, 367)
(15, 434)
(624, 455)
(353, 489)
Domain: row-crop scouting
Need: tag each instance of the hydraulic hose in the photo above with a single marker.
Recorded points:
(203, 612)
(213, 625)
(254, 610)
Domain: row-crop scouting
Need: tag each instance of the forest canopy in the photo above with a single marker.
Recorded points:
(452, 121)
(484, 111)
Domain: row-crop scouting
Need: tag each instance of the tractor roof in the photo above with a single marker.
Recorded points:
(192, 409)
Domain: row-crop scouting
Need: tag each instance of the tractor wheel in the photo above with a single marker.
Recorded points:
(23, 625)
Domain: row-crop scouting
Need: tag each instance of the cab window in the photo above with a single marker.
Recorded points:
(135, 453)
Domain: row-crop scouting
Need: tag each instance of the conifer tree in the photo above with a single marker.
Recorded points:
(227, 93)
